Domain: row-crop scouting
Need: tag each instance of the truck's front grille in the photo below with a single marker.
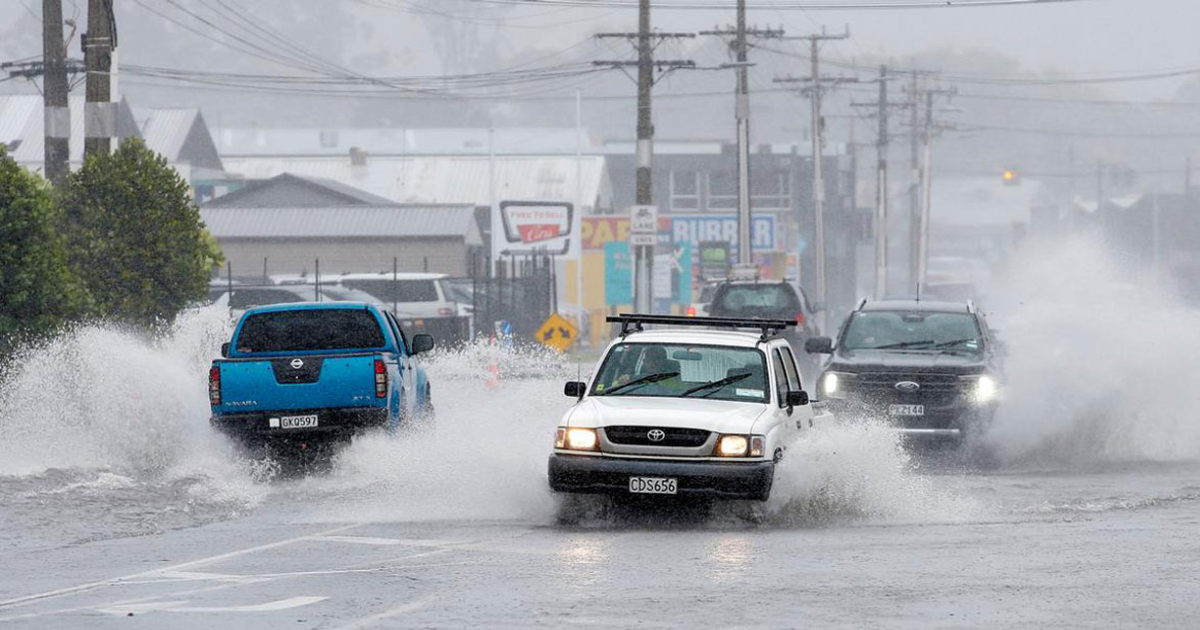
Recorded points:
(641, 436)
(937, 390)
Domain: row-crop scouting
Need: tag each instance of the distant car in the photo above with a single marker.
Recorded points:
(930, 369)
(418, 294)
(702, 412)
(314, 374)
(700, 305)
(770, 299)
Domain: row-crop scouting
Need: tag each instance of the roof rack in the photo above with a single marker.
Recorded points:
(632, 322)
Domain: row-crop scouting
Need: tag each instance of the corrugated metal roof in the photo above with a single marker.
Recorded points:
(259, 141)
(448, 179)
(23, 114)
(347, 222)
(165, 130)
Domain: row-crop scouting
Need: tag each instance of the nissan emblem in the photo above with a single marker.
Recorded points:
(297, 364)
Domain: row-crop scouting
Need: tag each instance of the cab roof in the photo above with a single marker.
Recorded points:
(930, 306)
(697, 336)
(307, 306)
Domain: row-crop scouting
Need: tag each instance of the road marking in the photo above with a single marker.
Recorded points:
(179, 606)
(387, 614)
(29, 599)
(197, 576)
(361, 540)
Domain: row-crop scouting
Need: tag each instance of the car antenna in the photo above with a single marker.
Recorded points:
(918, 291)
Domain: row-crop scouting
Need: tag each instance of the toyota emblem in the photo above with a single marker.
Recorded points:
(656, 435)
(297, 364)
(907, 387)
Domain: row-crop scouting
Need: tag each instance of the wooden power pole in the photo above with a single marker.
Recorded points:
(57, 115)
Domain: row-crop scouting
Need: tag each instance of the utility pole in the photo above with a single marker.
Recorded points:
(816, 92)
(739, 45)
(920, 251)
(57, 113)
(100, 113)
(915, 190)
(881, 194)
(643, 267)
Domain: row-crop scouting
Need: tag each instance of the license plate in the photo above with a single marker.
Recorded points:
(906, 410)
(297, 422)
(653, 485)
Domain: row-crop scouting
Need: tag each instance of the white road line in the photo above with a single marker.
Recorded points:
(388, 614)
(180, 606)
(361, 540)
(29, 599)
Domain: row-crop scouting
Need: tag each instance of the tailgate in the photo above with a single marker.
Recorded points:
(307, 382)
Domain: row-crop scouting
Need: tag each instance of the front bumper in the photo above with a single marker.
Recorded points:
(332, 423)
(591, 474)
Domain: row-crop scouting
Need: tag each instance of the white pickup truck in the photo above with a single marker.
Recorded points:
(684, 411)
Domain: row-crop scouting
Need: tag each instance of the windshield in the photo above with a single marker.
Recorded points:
(310, 329)
(896, 330)
(752, 299)
(389, 290)
(678, 371)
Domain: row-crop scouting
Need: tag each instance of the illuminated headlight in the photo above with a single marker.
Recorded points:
(984, 389)
(741, 446)
(833, 384)
(575, 439)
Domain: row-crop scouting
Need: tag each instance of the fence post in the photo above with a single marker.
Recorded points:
(317, 282)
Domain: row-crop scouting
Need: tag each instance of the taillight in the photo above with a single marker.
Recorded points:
(800, 318)
(691, 311)
(214, 385)
(381, 384)
(445, 312)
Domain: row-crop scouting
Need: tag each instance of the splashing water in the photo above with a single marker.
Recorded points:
(1102, 365)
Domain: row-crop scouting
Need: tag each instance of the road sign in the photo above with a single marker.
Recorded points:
(557, 333)
(643, 226)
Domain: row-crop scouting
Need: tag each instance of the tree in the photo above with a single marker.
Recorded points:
(38, 292)
(135, 236)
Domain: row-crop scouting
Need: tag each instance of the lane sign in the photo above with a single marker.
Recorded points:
(557, 333)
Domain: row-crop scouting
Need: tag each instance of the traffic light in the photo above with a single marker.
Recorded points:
(1011, 177)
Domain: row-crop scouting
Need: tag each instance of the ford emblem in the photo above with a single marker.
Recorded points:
(907, 387)
(297, 364)
(656, 435)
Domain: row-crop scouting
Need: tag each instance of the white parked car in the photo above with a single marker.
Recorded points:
(704, 412)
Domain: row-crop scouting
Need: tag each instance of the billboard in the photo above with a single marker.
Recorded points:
(543, 226)
(686, 228)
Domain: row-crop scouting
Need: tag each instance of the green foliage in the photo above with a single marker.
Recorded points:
(135, 236)
(38, 292)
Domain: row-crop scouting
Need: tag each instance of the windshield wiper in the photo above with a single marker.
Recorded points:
(950, 344)
(644, 380)
(721, 383)
(902, 344)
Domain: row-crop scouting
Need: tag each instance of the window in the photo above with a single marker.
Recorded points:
(793, 375)
(401, 291)
(398, 332)
(781, 379)
(722, 190)
(310, 329)
(668, 370)
(685, 190)
(771, 190)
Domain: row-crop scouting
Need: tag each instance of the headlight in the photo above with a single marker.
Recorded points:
(741, 446)
(575, 439)
(732, 446)
(984, 389)
(833, 385)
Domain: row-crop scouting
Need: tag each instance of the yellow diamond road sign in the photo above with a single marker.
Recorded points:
(557, 333)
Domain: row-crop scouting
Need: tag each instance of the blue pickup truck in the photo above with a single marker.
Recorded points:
(315, 374)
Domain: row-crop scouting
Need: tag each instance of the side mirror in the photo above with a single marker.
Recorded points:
(421, 344)
(225, 350)
(797, 399)
(817, 307)
(818, 345)
(574, 389)
(707, 308)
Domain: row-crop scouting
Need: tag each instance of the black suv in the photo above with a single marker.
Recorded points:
(770, 299)
(930, 368)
